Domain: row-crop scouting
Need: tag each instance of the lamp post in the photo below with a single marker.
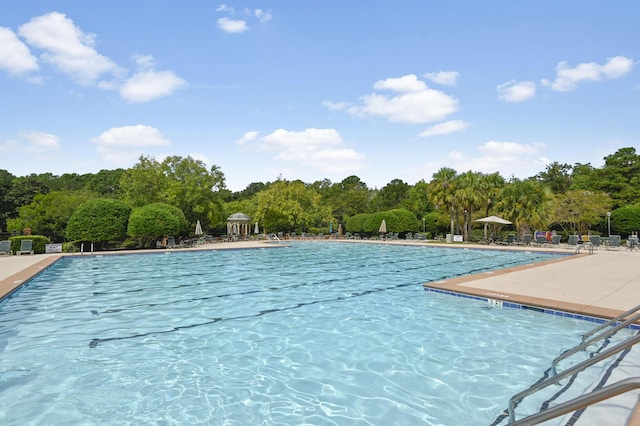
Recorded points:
(608, 224)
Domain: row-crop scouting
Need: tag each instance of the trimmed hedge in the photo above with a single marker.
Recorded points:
(39, 242)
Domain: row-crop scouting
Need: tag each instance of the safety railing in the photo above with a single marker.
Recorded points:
(612, 321)
(589, 342)
(517, 398)
(582, 401)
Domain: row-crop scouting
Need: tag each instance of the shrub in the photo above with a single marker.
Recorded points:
(39, 242)
(156, 220)
(99, 220)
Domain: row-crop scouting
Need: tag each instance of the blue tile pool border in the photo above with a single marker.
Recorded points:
(513, 305)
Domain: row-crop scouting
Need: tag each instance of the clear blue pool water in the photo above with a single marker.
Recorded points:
(317, 334)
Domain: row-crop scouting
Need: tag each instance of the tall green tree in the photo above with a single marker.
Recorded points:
(392, 195)
(291, 207)
(7, 205)
(526, 203)
(470, 194)
(442, 190)
(49, 214)
(620, 176)
(580, 210)
(557, 177)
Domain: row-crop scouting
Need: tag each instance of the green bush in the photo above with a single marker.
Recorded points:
(99, 220)
(156, 220)
(39, 243)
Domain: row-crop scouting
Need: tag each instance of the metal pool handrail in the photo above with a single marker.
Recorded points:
(612, 321)
(568, 372)
(581, 401)
(591, 341)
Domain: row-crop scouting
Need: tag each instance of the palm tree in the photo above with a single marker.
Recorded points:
(526, 203)
(442, 191)
(470, 194)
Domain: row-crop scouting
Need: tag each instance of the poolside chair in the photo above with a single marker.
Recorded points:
(573, 240)
(5, 247)
(555, 240)
(595, 242)
(614, 242)
(526, 240)
(632, 242)
(26, 247)
(171, 242)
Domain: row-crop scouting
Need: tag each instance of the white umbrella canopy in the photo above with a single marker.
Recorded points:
(495, 220)
(383, 227)
(199, 228)
(256, 230)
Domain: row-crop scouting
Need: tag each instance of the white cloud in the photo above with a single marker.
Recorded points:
(507, 158)
(124, 145)
(234, 26)
(15, 56)
(36, 143)
(67, 47)
(446, 78)
(413, 103)
(405, 84)
(247, 137)
(568, 78)
(262, 15)
(445, 128)
(513, 91)
(336, 106)
(150, 85)
(320, 149)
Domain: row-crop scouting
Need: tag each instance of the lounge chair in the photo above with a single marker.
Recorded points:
(632, 243)
(573, 240)
(614, 242)
(26, 247)
(595, 241)
(526, 240)
(5, 247)
(555, 240)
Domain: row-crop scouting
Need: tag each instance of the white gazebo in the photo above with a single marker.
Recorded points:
(238, 225)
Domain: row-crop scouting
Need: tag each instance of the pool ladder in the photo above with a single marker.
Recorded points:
(592, 397)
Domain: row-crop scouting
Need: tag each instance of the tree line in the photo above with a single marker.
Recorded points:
(154, 199)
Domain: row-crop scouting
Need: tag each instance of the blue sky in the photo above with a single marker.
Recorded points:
(313, 90)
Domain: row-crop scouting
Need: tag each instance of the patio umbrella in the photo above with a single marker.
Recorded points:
(257, 229)
(495, 220)
(199, 229)
(383, 227)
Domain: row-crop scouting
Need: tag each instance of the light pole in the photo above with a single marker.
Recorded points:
(608, 224)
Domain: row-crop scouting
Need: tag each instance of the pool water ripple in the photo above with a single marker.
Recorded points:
(323, 334)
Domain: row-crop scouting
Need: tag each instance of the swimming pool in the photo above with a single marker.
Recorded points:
(317, 333)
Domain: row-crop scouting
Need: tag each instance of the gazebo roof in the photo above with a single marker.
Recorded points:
(238, 217)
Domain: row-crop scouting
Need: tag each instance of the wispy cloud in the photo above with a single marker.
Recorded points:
(123, 145)
(445, 128)
(67, 48)
(32, 143)
(233, 24)
(446, 78)
(568, 78)
(516, 91)
(320, 149)
(147, 84)
(410, 101)
(15, 56)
